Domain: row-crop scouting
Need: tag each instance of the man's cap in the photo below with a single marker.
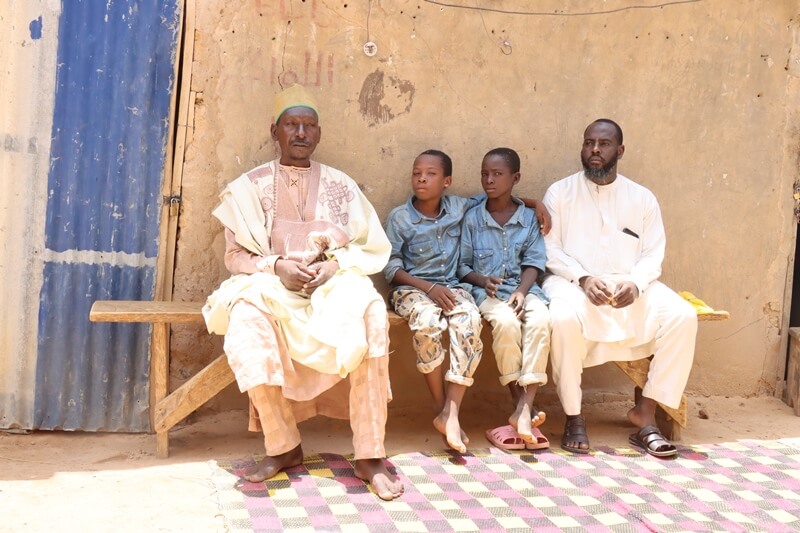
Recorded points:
(294, 96)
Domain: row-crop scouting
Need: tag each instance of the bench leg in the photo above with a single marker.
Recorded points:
(162, 444)
(198, 390)
(159, 380)
(668, 426)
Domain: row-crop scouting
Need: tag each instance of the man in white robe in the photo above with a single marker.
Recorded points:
(306, 333)
(605, 251)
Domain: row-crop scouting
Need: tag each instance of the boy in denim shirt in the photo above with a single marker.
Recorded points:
(425, 234)
(502, 257)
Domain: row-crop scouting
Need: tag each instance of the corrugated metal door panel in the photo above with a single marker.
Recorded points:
(112, 105)
(28, 43)
(100, 382)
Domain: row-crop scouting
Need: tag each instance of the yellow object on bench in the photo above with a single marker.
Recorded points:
(704, 311)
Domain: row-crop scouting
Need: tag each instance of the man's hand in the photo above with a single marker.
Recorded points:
(625, 295)
(293, 275)
(491, 284)
(596, 290)
(543, 216)
(324, 271)
(517, 302)
(443, 297)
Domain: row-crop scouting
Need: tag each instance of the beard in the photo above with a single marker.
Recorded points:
(601, 175)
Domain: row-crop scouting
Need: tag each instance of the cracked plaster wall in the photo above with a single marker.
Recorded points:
(705, 91)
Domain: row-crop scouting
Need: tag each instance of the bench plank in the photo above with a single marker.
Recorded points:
(145, 311)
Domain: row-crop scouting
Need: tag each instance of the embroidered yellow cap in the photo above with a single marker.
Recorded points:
(294, 96)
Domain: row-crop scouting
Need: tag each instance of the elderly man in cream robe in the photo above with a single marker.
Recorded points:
(306, 333)
(605, 250)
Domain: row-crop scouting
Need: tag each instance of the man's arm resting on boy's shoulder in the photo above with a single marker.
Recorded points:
(542, 214)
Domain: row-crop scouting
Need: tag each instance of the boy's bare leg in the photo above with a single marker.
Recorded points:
(516, 392)
(374, 472)
(447, 422)
(271, 465)
(523, 419)
(435, 381)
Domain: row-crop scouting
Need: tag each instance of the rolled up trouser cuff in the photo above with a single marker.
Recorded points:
(538, 378)
(459, 380)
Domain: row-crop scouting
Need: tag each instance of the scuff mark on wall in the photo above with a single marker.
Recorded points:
(16, 143)
(35, 28)
(772, 312)
(793, 58)
(379, 103)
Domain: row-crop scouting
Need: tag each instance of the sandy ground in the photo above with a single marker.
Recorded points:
(113, 482)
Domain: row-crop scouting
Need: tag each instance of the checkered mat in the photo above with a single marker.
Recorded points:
(742, 486)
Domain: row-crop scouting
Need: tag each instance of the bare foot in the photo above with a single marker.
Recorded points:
(438, 409)
(447, 424)
(464, 438)
(374, 472)
(272, 464)
(524, 421)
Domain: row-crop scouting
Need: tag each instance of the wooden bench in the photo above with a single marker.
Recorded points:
(167, 409)
(170, 408)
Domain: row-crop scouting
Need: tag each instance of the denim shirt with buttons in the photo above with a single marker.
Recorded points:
(426, 247)
(494, 250)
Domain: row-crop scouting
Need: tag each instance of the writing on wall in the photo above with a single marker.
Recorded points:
(315, 70)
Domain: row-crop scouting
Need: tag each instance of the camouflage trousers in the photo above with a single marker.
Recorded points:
(427, 322)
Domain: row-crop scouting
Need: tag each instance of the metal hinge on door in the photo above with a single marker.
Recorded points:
(174, 202)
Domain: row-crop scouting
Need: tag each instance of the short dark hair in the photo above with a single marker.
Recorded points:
(511, 157)
(447, 163)
(614, 124)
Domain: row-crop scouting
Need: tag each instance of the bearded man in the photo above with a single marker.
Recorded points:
(605, 251)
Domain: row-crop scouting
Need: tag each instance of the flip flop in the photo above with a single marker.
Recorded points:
(700, 307)
(541, 441)
(505, 438)
(653, 442)
(575, 430)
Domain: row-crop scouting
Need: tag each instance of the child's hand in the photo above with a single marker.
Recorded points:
(517, 302)
(443, 297)
(491, 285)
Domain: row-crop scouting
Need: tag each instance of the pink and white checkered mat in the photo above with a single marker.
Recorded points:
(741, 486)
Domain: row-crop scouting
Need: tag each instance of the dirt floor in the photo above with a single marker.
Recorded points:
(103, 482)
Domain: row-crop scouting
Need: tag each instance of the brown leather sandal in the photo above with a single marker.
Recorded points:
(575, 431)
(650, 439)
